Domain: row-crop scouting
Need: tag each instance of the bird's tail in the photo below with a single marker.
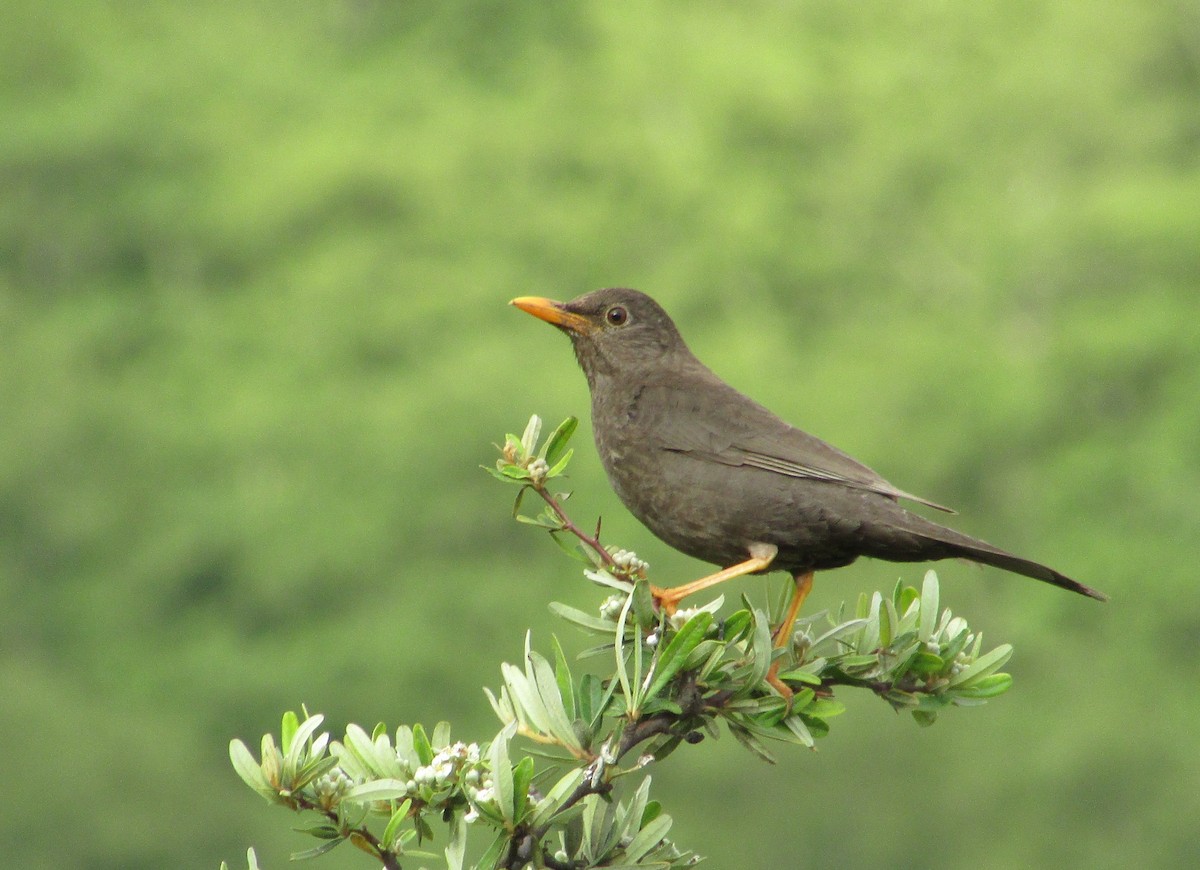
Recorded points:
(952, 544)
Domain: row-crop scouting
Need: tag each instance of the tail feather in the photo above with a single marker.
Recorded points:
(947, 543)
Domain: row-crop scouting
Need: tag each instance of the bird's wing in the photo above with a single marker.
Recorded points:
(722, 425)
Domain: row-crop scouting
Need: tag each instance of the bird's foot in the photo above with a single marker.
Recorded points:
(781, 687)
(761, 556)
(664, 600)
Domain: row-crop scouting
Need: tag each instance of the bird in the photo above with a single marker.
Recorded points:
(719, 477)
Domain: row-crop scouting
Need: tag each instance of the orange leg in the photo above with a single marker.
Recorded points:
(783, 634)
(761, 556)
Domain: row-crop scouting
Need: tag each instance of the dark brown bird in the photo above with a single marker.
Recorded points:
(719, 477)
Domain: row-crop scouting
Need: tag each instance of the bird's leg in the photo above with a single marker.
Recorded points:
(784, 632)
(761, 556)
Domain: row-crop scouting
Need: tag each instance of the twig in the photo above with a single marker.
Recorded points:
(592, 542)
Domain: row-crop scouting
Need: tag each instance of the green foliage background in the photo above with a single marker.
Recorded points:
(253, 266)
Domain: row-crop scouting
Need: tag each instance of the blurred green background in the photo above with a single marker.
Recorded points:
(254, 260)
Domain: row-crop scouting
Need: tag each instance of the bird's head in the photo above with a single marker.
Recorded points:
(613, 331)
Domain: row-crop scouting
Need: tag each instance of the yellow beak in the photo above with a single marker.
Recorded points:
(553, 312)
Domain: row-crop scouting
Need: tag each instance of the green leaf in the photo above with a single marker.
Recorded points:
(737, 623)
(647, 838)
(316, 852)
(287, 731)
(925, 663)
(392, 831)
(643, 603)
(824, 708)
(751, 742)
(570, 546)
(675, 655)
(495, 852)
(800, 676)
(522, 777)
(557, 468)
(558, 439)
(925, 718)
(986, 687)
(422, 745)
(321, 832)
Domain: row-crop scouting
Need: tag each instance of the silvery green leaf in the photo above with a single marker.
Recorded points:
(603, 578)
(558, 721)
(540, 521)
(982, 666)
(796, 725)
(378, 790)
(456, 844)
(594, 624)
(839, 631)
(631, 818)
(315, 767)
(441, 735)
(524, 698)
(298, 745)
(855, 662)
(618, 647)
(647, 838)
(761, 647)
(405, 750)
(502, 775)
(566, 682)
(929, 606)
(559, 792)
(248, 769)
(533, 430)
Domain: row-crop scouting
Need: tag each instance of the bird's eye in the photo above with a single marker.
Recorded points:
(617, 315)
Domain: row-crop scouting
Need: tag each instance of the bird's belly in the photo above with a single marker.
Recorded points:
(715, 512)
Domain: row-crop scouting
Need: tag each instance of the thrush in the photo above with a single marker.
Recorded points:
(719, 477)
